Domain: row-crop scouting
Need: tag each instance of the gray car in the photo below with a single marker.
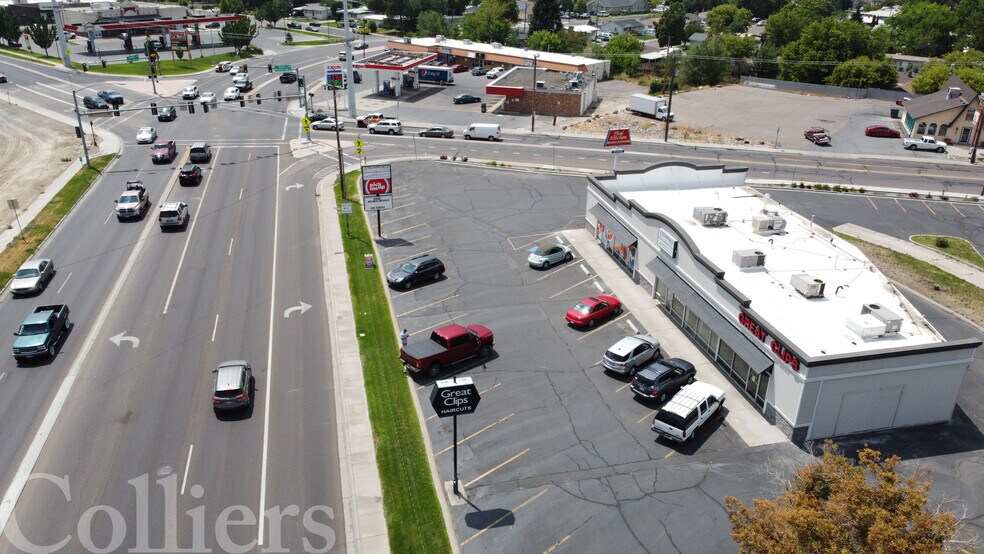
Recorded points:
(545, 255)
(660, 380)
(32, 277)
(631, 353)
(231, 385)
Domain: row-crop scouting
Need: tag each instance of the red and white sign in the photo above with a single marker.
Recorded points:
(376, 180)
(618, 137)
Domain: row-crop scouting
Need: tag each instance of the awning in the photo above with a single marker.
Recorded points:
(753, 356)
(622, 234)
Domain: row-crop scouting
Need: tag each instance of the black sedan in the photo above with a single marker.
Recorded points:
(312, 117)
(287, 78)
(439, 132)
(466, 99)
(167, 113)
(190, 174)
(479, 71)
(213, 25)
(360, 46)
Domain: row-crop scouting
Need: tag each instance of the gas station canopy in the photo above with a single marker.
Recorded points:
(394, 60)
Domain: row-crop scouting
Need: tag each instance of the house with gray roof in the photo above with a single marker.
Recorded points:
(947, 114)
(697, 38)
(616, 7)
(622, 26)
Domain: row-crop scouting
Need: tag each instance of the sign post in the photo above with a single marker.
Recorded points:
(451, 397)
(347, 209)
(377, 191)
(14, 206)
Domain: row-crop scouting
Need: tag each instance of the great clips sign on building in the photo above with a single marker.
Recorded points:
(762, 335)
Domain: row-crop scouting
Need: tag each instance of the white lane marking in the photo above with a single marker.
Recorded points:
(288, 167)
(110, 216)
(46, 96)
(269, 382)
(634, 328)
(231, 240)
(63, 284)
(23, 473)
(191, 232)
(241, 193)
(215, 327)
(2, 375)
(184, 480)
(599, 287)
(585, 270)
(283, 134)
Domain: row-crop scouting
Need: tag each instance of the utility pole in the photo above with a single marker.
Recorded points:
(78, 120)
(348, 60)
(533, 97)
(56, 10)
(669, 105)
(979, 116)
(304, 100)
(338, 143)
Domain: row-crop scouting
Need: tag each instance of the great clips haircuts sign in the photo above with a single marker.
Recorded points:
(762, 335)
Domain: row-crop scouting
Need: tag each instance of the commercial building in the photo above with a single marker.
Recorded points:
(526, 90)
(798, 319)
(947, 114)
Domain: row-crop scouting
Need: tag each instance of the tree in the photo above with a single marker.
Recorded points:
(923, 28)
(546, 16)
(728, 18)
(669, 30)
(967, 65)
(690, 28)
(238, 34)
(762, 8)
(274, 10)
(739, 50)
(231, 6)
(623, 52)
(42, 34)
(405, 12)
(765, 61)
(705, 63)
(856, 16)
(544, 41)
(970, 26)
(581, 6)
(832, 505)
(824, 44)
(510, 9)
(786, 26)
(431, 24)
(862, 72)
(488, 24)
(572, 42)
(931, 78)
(9, 29)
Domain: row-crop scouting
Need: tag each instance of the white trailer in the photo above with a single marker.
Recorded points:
(653, 106)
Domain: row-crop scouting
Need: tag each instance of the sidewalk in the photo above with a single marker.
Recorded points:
(745, 418)
(949, 264)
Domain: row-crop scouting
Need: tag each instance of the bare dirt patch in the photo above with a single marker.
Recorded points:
(34, 150)
(643, 127)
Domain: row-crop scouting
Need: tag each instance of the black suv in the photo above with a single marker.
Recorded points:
(167, 113)
(111, 97)
(190, 174)
(287, 78)
(661, 380)
(420, 268)
(94, 103)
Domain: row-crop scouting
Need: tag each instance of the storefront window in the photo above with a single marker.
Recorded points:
(691, 323)
(763, 389)
(740, 369)
(661, 291)
(676, 310)
(751, 387)
(726, 355)
(704, 333)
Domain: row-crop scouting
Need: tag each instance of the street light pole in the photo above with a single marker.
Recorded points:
(338, 143)
(78, 119)
(533, 97)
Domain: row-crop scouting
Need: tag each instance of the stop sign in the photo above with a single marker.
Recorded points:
(377, 186)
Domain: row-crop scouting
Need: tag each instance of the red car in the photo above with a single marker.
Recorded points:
(458, 68)
(592, 309)
(882, 131)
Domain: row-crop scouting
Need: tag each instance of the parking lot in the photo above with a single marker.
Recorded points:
(558, 447)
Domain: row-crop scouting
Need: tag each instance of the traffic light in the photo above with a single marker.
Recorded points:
(153, 108)
(78, 132)
(259, 100)
(269, 68)
(116, 110)
(300, 82)
(279, 99)
(191, 107)
(242, 102)
(205, 107)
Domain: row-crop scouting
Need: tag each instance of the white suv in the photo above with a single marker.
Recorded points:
(692, 407)
(391, 126)
(173, 214)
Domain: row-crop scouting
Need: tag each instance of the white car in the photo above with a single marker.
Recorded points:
(207, 98)
(222, 67)
(391, 126)
(146, 135)
(327, 124)
(189, 93)
(231, 93)
(233, 69)
(240, 78)
(495, 72)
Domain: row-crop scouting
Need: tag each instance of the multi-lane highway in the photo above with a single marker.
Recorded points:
(118, 434)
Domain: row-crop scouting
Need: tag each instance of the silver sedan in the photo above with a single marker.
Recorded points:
(545, 255)
(32, 277)
(631, 353)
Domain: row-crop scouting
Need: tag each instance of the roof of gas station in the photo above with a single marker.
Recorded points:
(394, 60)
(139, 22)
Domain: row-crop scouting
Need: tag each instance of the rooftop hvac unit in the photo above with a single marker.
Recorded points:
(746, 259)
(866, 326)
(711, 217)
(767, 224)
(808, 285)
(467, 41)
(541, 84)
(892, 321)
(439, 38)
(496, 45)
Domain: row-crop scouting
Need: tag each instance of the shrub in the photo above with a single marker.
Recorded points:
(837, 188)
(929, 195)
(802, 185)
(942, 242)
(944, 197)
(444, 156)
(861, 190)
(974, 199)
(913, 195)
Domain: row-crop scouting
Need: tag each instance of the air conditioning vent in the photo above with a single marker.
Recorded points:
(711, 217)
(808, 285)
(768, 223)
(496, 45)
(892, 321)
(468, 41)
(439, 38)
(748, 259)
(541, 84)
(866, 326)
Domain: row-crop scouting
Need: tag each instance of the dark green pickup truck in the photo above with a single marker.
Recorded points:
(41, 331)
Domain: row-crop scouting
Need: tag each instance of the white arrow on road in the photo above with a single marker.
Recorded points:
(294, 186)
(134, 341)
(302, 308)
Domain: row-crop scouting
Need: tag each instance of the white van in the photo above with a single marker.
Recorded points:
(487, 131)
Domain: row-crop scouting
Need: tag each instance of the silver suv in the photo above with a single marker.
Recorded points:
(232, 384)
(391, 126)
(631, 353)
(173, 214)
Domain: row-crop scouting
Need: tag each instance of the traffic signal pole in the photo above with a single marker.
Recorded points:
(338, 144)
(78, 120)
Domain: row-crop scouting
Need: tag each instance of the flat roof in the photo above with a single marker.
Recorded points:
(522, 77)
(394, 60)
(818, 327)
(487, 48)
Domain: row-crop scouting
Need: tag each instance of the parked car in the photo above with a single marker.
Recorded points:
(479, 71)
(190, 92)
(466, 99)
(294, 25)
(817, 135)
(207, 98)
(173, 214)
(425, 267)
(545, 255)
(94, 103)
(882, 131)
(232, 383)
(447, 345)
(231, 93)
(32, 277)
(390, 126)
(459, 68)
(111, 97)
(661, 379)
(369, 118)
(691, 407)
(495, 72)
(167, 113)
(591, 310)
(360, 46)
(328, 124)
(163, 151)
(223, 67)
(313, 29)
(146, 135)
(925, 143)
(288, 77)
(190, 174)
(213, 25)
(439, 132)
(630, 353)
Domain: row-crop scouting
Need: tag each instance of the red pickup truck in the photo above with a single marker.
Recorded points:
(446, 346)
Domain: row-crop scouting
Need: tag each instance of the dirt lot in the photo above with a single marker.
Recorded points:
(29, 161)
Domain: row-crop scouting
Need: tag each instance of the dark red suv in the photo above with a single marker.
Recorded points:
(163, 151)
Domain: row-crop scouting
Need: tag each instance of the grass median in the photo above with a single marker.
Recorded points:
(166, 66)
(952, 246)
(38, 230)
(413, 512)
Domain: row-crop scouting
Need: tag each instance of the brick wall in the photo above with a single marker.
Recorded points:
(564, 104)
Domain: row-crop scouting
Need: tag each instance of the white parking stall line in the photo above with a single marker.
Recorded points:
(401, 260)
(392, 232)
(215, 327)
(585, 270)
(2, 374)
(600, 327)
(647, 416)
(404, 217)
(558, 270)
(231, 240)
(427, 305)
(450, 320)
(63, 284)
(184, 480)
(634, 328)
(599, 287)
(473, 435)
(559, 240)
(572, 286)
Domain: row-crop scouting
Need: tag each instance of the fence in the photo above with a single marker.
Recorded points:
(824, 90)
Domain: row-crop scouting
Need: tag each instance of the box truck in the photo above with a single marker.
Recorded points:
(435, 74)
(653, 106)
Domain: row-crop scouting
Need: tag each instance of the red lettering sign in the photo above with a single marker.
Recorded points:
(777, 347)
(618, 137)
(376, 186)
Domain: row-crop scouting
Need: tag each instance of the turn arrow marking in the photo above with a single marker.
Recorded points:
(295, 186)
(134, 341)
(302, 308)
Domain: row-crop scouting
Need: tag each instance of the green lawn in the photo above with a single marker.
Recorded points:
(956, 247)
(332, 40)
(12, 52)
(413, 512)
(37, 231)
(166, 66)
